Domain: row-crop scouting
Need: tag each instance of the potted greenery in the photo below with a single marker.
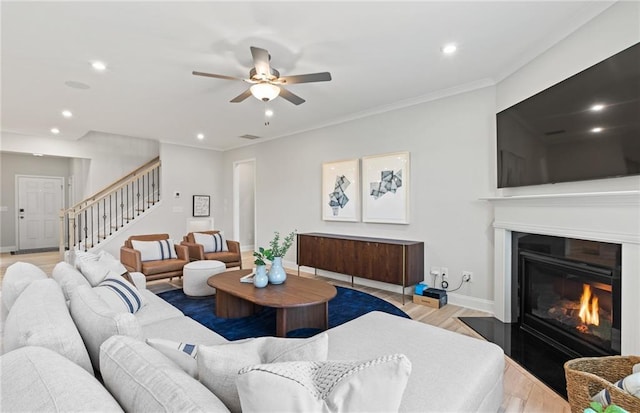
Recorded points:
(261, 279)
(277, 250)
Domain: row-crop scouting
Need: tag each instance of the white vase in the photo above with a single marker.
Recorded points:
(261, 279)
(277, 274)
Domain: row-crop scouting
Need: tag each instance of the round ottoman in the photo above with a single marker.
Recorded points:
(195, 275)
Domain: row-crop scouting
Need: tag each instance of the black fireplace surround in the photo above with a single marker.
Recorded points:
(568, 293)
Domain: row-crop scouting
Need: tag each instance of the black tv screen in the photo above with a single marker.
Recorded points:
(585, 127)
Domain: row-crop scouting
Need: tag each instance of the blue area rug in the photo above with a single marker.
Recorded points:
(346, 305)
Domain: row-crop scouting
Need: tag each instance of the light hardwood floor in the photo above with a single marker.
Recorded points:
(522, 392)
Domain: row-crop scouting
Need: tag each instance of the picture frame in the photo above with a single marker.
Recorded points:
(201, 205)
(385, 188)
(341, 190)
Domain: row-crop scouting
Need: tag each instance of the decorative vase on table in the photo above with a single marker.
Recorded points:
(261, 279)
(277, 274)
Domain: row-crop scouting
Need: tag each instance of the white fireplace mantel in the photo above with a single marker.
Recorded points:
(599, 216)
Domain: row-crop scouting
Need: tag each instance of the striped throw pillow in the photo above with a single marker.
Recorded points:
(155, 250)
(211, 243)
(119, 294)
(183, 354)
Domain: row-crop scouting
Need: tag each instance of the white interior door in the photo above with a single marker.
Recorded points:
(244, 225)
(39, 202)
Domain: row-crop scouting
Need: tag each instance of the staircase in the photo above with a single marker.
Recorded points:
(91, 221)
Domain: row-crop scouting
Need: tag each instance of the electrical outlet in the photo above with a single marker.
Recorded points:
(444, 272)
(435, 271)
(466, 276)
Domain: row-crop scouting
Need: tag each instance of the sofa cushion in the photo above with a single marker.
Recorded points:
(144, 380)
(155, 250)
(119, 294)
(97, 322)
(325, 386)
(159, 267)
(155, 309)
(181, 328)
(18, 277)
(80, 257)
(211, 242)
(222, 256)
(40, 317)
(218, 366)
(437, 373)
(36, 379)
(68, 277)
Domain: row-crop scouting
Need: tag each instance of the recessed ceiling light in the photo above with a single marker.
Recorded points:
(597, 107)
(449, 48)
(38, 154)
(596, 130)
(200, 136)
(67, 113)
(268, 113)
(55, 131)
(99, 66)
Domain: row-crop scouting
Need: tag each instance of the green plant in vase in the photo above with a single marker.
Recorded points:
(261, 256)
(277, 274)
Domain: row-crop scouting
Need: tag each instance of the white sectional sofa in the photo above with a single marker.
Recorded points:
(62, 336)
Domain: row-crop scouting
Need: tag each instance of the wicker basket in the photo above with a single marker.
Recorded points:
(587, 376)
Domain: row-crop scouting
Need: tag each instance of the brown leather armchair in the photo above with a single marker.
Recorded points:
(153, 270)
(231, 258)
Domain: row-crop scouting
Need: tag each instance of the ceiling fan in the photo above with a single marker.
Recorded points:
(267, 84)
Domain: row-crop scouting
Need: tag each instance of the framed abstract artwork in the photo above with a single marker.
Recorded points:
(385, 188)
(201, 205)
(341, 190)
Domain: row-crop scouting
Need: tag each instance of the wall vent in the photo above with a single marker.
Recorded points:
(247, 136)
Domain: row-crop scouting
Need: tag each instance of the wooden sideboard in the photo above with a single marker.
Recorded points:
(391, 261)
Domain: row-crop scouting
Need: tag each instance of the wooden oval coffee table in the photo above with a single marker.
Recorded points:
(299, 302)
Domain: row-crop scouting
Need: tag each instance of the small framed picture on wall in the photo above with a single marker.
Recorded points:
(201, 205)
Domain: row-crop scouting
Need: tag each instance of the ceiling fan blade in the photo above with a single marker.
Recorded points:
(261, 61)
(311, 77)
(216, 76)
(295, 99)
(242, 96)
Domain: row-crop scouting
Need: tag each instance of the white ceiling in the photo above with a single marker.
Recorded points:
(382, 55)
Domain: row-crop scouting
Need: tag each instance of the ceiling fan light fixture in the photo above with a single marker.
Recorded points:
(265, 91)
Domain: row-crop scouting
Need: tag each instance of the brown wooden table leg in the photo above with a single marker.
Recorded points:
(311, 316)
(230, 306)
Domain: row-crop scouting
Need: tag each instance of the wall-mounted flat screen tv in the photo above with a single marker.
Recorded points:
(585, 127)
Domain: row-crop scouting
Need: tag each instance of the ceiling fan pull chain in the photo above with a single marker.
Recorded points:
(266, 114)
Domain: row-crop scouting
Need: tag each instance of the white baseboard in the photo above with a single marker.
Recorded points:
(8, 249)
(466, 301)
(245, 248)
(472, 303)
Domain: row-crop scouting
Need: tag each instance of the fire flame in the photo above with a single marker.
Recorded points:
(589, 307)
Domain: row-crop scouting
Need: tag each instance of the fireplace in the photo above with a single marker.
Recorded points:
(568, 292)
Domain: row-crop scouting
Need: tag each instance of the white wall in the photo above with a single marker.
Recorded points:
(246, 193)
(451, 145)
(189, 171)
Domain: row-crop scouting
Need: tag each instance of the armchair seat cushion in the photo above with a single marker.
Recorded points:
(222, 256)
(162, 266)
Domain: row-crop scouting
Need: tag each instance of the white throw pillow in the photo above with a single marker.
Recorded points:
(119, 294)
(155, 250)
(218, 366)
(183, 354)
(211, 243)
(96, 271)
(325, 386)
(144, 380)
(80, 257)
